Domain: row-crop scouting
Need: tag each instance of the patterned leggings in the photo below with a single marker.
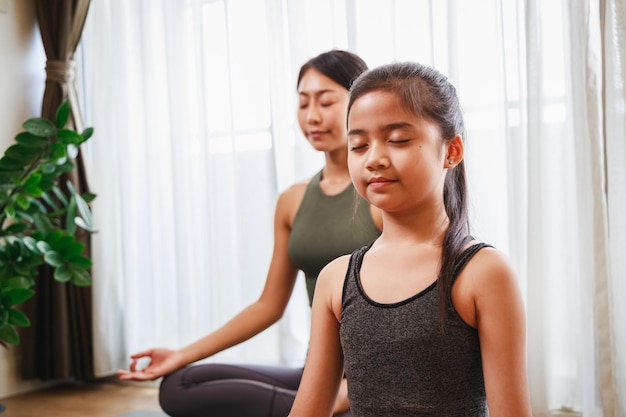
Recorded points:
(217, 390)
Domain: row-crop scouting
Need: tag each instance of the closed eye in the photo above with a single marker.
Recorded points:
(399, 141)
(357, 147)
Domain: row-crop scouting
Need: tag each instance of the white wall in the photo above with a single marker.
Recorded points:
(22, 78)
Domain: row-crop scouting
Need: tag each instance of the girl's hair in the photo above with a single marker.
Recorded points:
(427, 93)
(340, 66)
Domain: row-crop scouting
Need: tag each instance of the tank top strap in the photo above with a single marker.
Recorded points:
(466, 256)
(354, 266)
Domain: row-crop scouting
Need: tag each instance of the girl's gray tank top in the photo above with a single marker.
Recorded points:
(399, 359)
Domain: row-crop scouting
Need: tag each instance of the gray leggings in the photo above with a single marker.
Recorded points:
(217, 390)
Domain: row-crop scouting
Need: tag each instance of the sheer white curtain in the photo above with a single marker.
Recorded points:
(193, 105)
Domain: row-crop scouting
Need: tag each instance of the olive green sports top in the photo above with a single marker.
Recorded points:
(326, 227)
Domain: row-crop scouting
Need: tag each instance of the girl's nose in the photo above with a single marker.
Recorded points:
(377, 157)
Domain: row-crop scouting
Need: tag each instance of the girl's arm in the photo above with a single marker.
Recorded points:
(501, 324)
(324, 364)
(252, 320)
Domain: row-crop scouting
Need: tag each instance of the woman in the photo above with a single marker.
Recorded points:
(315, 221)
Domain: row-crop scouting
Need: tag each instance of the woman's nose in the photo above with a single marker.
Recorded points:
(313, 115)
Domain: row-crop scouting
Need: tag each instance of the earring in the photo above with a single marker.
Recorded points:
(450, 162)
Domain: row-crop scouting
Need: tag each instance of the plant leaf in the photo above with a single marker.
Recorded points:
(72, 250)
(31, 245)
(85, 212)
(21, 153)
(62, 198)
(31, 141)
(62, 113)
(87, 133)
(81, 262)
(53, 258)
(22, 201)
(43, 247)
(9, 335)
(89, 197)
(81, 223)
(68, 136)
(49, 201)
(39, 126)
(18, 282)
(14, 229)
(57, 151)
(16, 296)
(63, 273)
(43, 223)
(18, 319)
(80, 278)
(9, 164)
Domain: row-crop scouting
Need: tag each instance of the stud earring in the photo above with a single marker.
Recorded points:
(450, 162)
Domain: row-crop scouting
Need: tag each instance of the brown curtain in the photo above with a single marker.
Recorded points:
(58, 345)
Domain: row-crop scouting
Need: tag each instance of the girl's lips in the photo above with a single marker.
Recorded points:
(379, 182)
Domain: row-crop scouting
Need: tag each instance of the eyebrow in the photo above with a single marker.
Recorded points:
(316, 93)
(387, 128)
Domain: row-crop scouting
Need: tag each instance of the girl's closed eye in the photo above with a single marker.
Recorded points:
(399, 141)
(357, 147)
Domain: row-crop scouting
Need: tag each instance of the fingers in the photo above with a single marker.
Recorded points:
(142, 354)
(135, 376)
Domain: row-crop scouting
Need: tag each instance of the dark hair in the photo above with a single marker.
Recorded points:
(428, 93)
(340, 66)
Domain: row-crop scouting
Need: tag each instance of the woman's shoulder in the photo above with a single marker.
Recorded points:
(290, 199)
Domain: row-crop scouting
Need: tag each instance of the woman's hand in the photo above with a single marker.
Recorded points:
(162, 362)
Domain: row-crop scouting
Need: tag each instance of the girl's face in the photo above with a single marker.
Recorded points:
(396, 159)
(322, 111)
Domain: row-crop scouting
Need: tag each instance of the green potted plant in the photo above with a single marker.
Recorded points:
(40, 218)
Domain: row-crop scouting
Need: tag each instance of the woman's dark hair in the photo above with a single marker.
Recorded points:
(340, 66)
(427, 93)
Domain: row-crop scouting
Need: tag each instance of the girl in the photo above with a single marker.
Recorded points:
(425, 321)
(315, 221)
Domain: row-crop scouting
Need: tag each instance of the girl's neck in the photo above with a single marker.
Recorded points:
(428, 227)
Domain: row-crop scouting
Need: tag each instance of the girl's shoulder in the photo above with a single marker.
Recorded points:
(330, 282)
(487, 280)
(487, 264)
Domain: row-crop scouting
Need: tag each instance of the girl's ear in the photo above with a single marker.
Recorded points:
(454, 152)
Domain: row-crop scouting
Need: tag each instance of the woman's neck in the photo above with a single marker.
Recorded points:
(335, 174)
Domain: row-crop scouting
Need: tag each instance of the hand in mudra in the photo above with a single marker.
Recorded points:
(162, 362)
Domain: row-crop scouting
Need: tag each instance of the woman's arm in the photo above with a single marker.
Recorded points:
(501, 324)
(252, 320)
(324, 364)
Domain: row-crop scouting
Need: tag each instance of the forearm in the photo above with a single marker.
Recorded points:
(248, 323)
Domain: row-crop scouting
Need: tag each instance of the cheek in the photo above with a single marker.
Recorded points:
(301, 117)
(354, 166)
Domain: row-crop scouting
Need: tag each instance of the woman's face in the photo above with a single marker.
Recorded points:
(322, 111)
